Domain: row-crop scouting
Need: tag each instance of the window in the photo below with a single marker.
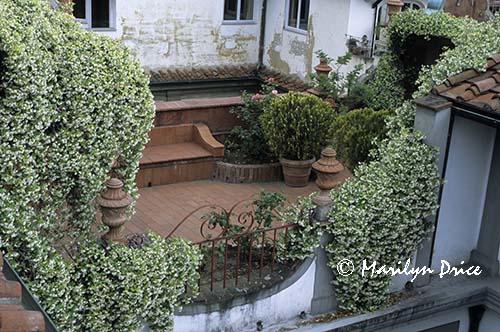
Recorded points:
(298, 14)
(238, 10)
(95, 14)
(494, 7)
(410, 6)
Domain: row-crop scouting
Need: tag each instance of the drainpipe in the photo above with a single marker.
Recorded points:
(262, 33)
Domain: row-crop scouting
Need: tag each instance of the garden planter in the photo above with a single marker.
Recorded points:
(296, 172)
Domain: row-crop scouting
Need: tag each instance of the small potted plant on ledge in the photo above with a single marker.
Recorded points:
(295, 126)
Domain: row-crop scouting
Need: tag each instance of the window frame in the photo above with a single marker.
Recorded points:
(87, 21)
(493, 7)
(238, 21)
(296, 29)
(412, 4)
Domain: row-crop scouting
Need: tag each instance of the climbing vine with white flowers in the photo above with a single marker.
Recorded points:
(71, 101)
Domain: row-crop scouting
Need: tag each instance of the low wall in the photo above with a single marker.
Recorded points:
(214, 112)
(283, 302)
(234, 173)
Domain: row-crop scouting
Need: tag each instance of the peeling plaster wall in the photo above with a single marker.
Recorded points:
(169, 33)
(329, 21)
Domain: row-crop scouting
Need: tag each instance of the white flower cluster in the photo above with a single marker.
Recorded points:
(380, 214)
(70, 102)
(473, 42)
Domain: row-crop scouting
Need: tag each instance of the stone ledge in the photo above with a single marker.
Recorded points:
(439, 297)
(433, 102)
(196, 308)
(188, 104)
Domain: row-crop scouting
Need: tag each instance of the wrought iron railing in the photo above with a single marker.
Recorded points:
(236, 244)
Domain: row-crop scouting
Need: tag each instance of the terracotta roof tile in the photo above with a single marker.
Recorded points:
(478, 88)
(285, 81)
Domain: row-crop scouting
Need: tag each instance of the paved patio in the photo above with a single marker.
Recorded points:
(161, 208)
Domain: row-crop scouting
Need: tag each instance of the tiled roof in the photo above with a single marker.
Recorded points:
(476, 88)
(286, 81)
(13, 317)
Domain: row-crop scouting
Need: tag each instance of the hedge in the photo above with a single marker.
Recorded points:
(380, 214)
(474, 42)
(71, 101)
(354, 134)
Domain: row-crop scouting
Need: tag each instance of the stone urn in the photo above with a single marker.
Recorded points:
(113, 203)
(296, 172)
(394, 7)
(326, 170)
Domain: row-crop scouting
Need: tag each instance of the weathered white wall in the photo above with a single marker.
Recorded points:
(490, 321)
(172, 34)
(292, 52)
(169, 33)
(464, 192)
(280, 307)
(361, 19)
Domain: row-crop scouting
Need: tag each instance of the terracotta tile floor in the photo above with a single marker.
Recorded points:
(161, 208)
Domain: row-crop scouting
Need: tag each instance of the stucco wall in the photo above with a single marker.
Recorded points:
(281, 306)
(329, 21)
(169, 33)
(172, 34)
(464, 191)
(361, 19)
(490, 321)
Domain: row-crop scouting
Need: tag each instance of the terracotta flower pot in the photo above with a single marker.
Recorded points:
(296, 172)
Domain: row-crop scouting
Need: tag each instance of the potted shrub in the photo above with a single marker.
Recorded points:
(295, 126)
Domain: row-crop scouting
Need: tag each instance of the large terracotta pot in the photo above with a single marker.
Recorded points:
(296, 172)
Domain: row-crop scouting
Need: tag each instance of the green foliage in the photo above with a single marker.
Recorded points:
(386, 87)
(118, 288)
(344, 88)
(246, 144)
(296, 125)
(265, 210)
(474, 42)
(380, 214)
(71, 101)
(355, 132)
(305, 237)
(266, 207)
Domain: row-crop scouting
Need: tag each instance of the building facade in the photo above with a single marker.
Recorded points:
(281, 34)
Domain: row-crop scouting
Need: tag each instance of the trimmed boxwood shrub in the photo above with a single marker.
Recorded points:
(296, 125)
(70, 102)
(354, 134)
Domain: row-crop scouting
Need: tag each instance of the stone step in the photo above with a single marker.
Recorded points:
(214, 112)
(13, 317)
(178, 153)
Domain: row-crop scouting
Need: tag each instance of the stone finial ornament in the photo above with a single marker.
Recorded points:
(326, 168)
(323, 68)
(114, 203)
(394, 7)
